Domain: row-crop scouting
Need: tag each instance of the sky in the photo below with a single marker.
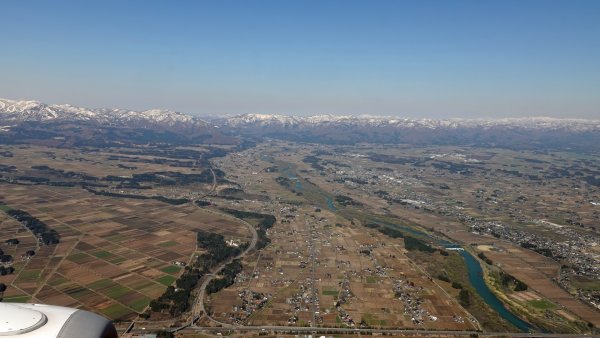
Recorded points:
(422, 58)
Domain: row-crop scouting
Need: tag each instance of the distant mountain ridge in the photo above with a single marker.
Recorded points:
(515, 133)
(22, 111)
(265, 120)
(34, 111)
(55, 121)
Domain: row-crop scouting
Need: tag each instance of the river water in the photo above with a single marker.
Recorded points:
(475, 277)
(473, 267)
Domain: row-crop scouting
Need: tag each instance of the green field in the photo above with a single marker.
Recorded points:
(140, 304)
(166, 280)
(330, 292)
(17, 299)
(372, 320)
(4, 207)
(172, 269)
(100, 284)
(78, 257)
(29, 276)
(115, 292)
(167, 244)
(116, 311)
(79, 293)
(542, 304)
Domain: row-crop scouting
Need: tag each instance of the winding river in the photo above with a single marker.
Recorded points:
(475, 277)
(473, 267)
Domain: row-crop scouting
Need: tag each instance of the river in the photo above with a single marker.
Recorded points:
(475, 277)
(478, 283)
(473, 267)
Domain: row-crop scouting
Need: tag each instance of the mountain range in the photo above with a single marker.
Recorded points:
(60, 120)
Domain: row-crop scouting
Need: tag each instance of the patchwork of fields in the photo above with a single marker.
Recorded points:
(115, 255)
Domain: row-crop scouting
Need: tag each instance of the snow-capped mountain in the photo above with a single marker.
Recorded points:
(268, 120)
(517, 133)
(27, 120)
(32, 111)
(23, 111)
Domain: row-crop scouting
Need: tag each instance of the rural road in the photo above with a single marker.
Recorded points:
(198, 307)
(214, 184)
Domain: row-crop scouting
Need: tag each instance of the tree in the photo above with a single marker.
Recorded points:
(164, 334)
(464, 297)
(2, 287)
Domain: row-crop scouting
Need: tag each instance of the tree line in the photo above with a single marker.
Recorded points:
(46, 235)
(176, 300)
(410, 243)
(265, 221)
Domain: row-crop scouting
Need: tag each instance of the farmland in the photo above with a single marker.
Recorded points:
(115, 254)
(346, 237)
(395, 191)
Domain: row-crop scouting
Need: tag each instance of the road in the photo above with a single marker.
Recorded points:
(313, 287)
(214, 185)
(198, 307)
(338, 330)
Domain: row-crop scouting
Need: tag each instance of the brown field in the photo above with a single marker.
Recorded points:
(116, 254)
(536, 270)
(111, 252)
(277, 272)
(419, 183)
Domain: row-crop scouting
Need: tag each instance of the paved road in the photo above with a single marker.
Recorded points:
(214, 184)
(198, 307)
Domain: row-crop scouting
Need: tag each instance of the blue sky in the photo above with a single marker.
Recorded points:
(435, 59)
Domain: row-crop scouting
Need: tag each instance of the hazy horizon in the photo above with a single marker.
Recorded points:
(415, 59)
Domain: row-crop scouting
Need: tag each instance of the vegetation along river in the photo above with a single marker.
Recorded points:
(473, 267)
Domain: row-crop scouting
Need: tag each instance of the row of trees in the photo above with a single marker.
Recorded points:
(346, 201)
(40, 229)
(485, 258)
(6, 270)
(511, 282)
(174, 201)
(410, 243)
(264, 222)
(176, 299)
(228, 276)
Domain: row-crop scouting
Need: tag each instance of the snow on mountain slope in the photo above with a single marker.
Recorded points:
(266, 120)
(23, 111)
